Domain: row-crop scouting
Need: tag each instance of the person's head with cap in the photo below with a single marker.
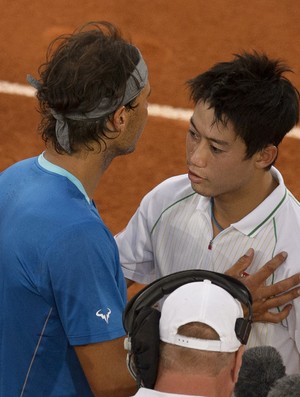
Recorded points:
(89, 90)
(200, 352)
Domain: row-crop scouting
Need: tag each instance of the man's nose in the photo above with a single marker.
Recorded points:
(199, 155)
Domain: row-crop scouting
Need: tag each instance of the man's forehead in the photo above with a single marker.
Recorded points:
(205, 122)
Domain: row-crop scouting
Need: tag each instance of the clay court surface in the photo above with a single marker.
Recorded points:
(179, 39)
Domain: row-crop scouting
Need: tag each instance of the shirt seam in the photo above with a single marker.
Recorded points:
(170, 206)
(269, 216)
(35, 352)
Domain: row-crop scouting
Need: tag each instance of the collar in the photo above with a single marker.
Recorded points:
(251, 224)
(63, 172)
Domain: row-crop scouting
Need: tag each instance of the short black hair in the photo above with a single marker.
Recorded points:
(82, 68)
(252, 94)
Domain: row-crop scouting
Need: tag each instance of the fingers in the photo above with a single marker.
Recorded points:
(241, 265)
(281, 288)
(269, 317)
(267, 297)
(264, 272)
(277, 301)
(261, 307)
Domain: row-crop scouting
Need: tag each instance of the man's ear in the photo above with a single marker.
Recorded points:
(238, 363)
(266, 156)
(119, 119)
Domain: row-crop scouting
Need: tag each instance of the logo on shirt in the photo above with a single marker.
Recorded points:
(104, 317)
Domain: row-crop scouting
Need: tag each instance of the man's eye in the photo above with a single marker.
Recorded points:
(192, 133)
(215, 149)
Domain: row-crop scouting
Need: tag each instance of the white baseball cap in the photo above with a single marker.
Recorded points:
(203, 302)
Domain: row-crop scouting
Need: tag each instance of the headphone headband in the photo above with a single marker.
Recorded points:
(155, 291)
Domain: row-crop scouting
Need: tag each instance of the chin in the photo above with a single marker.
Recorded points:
(131, 149)
(201, 191)
(124, 152)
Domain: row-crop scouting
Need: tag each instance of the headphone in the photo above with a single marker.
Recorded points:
(141, 319)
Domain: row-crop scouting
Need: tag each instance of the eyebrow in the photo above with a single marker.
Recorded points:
(215, 140)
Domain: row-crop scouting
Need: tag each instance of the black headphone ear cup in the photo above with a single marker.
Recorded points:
(145, 346)
(242, 330)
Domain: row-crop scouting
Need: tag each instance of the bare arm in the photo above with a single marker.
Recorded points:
(133, 288)
(267, 297)
(104, 365)
(129, 282)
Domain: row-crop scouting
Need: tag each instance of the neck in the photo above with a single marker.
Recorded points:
(87, 166)
(193, 384)
(231, 208)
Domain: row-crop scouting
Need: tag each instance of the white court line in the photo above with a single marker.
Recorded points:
(164, 111)
(16, 89)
